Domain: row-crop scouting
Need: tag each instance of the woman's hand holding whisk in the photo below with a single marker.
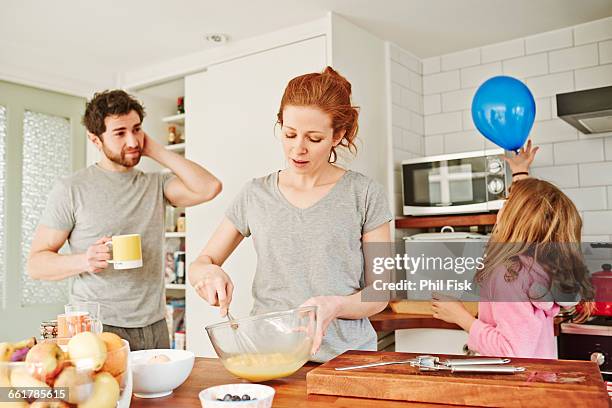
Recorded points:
(213, 285)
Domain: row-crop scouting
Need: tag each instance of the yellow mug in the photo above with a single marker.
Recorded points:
(127, 251)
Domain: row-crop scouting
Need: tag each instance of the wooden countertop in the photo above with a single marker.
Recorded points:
(457, 220)
(290, 391)
(388, 320)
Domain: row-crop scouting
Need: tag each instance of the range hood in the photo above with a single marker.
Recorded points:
(589, 111)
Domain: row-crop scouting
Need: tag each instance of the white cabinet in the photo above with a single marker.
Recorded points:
(231, 111)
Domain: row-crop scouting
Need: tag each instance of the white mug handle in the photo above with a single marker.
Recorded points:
(110, 245)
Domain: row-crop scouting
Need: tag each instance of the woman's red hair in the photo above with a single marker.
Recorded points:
(330, 92)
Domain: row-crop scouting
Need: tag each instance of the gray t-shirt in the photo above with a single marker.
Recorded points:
(316, 251)
(94, 202)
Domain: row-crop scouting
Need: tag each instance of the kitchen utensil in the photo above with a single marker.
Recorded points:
(472, 365)
(282, 343)
(432, 363)
(242, 339)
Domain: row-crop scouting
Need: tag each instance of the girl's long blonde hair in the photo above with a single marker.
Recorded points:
(539, 221)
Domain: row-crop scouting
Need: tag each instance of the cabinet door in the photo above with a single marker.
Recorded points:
(231, 112)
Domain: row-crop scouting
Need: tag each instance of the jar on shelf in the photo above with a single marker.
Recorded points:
(180, 105)
(180, 223)
(174, 135)
(170, 219)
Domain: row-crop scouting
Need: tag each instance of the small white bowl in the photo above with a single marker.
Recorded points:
(263, 393)
(160, 379)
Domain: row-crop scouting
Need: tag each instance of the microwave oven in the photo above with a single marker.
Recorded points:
(455, 183)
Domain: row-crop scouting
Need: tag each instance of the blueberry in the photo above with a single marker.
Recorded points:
(246, 397)
(235, 398)
(227, 397)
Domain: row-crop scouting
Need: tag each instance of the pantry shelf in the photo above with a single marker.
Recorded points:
(461, 220)
(179, 147)
(177, 119)
(175, 286)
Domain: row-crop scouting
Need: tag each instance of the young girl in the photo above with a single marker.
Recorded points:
(533, 253)
(308, 222)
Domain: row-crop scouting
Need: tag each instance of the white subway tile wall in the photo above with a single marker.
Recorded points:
(596, 174)
(432, 104)
(431, 65)
(593, 77)
(544, 156)
(561, 176)
(434, 145)
(588, 198)
(505, 50)
(565, 60)
(608, 143)
(460, 59)
(441, 82)
(443, 123)
(474, 76)
(605, 52)
(525, 67)
(580, 151)
(594, 31)
(550, 85)
(597, 222)
(574, 58)
(552, 40)
(407, 110)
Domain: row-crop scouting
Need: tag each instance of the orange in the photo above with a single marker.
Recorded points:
(116, 358)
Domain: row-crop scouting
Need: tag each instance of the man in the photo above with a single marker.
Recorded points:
(110, 198)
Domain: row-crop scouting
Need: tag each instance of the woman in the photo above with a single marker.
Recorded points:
(308, 222)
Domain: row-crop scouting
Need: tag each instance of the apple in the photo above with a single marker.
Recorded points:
(20, 378)
(121, 379)
(45, 361)
(79, 385)
(116, 354)
(87, 350)
(49, 404)
(105, 392)
(6, 351)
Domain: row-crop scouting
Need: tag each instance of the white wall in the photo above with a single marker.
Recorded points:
(570, 59)
(360, 56)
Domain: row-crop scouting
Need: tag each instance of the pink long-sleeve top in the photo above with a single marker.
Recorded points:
(511, 323)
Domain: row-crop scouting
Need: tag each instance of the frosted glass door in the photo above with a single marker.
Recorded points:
(42, 140)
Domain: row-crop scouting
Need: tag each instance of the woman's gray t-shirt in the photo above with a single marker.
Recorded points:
(316, 251)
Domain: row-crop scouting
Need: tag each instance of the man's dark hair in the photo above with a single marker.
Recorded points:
(109, 103)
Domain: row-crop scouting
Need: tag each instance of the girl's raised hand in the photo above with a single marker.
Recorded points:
(522, 160)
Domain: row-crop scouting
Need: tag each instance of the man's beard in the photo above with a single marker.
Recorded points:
(120, 158)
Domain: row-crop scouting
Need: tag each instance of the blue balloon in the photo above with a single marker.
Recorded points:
(503, 110)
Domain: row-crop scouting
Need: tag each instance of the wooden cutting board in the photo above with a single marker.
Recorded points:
(563, 383)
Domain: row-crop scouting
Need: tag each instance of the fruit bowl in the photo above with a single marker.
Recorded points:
(266, 346)
(154, 377)
(91, 370)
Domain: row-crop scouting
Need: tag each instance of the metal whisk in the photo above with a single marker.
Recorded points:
(242, 339)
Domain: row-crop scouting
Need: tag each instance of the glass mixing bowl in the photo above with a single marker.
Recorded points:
(266, 346)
